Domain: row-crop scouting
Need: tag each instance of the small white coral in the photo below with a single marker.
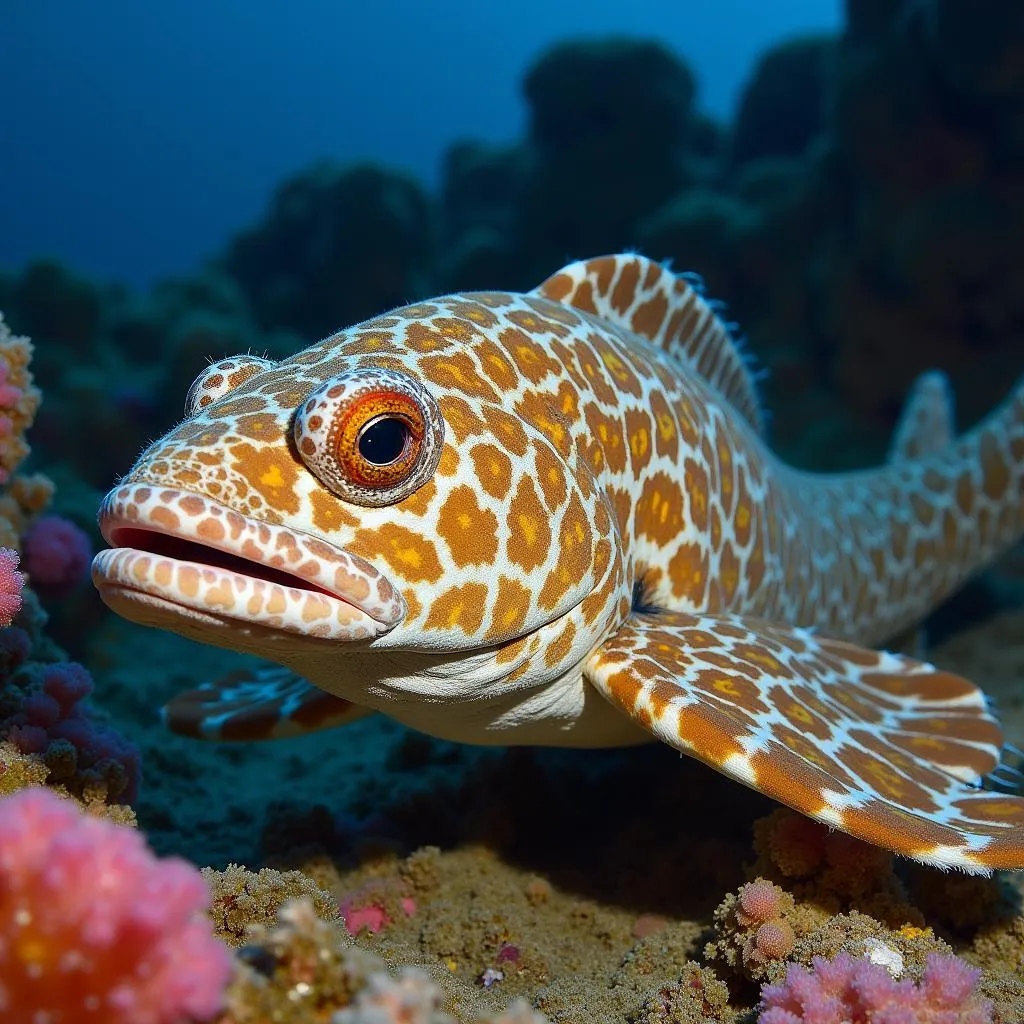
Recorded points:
(881, 953)
(520, 1012)
(411, 998)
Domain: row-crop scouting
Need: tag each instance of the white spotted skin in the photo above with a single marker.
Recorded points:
(618, 465)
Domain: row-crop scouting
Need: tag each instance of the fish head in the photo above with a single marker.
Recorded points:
(380, 490)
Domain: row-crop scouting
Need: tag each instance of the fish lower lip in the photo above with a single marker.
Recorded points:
(191, 551)
(211, 591)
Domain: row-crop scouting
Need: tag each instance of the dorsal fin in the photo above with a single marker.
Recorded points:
(669, 310)
(926, 425)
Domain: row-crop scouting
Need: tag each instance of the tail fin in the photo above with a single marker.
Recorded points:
(927, 423)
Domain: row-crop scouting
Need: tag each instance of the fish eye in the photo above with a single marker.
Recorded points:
(383, 440)
(370, 436)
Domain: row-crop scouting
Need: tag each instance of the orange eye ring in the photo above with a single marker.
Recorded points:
(371, 436)
(355, 436)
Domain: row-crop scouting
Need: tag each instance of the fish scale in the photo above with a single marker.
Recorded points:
(580, 538)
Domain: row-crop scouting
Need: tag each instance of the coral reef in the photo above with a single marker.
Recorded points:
(781, 110)
(12, 583)
(241, 899)
(845, 990)
(339, 246)
(57, 555)
(754, 929)
(861, 216)
(608, 134)
(94, 928)
(304, 970)
(22, 496)
(44, 712)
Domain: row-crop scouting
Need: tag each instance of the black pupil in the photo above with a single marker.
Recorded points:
(383, 440)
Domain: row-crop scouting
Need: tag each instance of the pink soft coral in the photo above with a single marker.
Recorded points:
(11, 584)
(848, 991)
(10, 396)
(93, 928)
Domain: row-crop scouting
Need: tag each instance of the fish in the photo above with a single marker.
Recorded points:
(553, 518)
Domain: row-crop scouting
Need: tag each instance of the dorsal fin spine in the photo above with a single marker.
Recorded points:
(668, 309)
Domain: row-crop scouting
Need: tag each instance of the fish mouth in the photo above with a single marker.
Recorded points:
(180, 552)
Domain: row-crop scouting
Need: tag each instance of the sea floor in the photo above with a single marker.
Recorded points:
(600, 870)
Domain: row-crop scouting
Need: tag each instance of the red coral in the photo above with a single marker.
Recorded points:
(93, 928)
(848, 991)
(369, 908)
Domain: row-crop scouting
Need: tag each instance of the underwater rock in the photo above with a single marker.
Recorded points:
(867, 20)
(780, 109)
(481, 194)
(698, 228)
(338, 245)
(978, 47)
(616, 99)
(480, 188)
(609, 130)
(241, 899)
(57, 307)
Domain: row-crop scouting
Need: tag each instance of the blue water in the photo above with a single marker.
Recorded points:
(137, 136)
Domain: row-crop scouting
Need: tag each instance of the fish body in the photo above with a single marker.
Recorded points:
(552, 518)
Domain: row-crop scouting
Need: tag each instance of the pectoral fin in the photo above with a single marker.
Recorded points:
(886, 748)
(266, 702)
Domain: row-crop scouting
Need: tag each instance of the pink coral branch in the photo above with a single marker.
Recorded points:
(849, 991)
(93, 927)
(12, 582)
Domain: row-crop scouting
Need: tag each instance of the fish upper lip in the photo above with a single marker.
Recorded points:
(184, 523)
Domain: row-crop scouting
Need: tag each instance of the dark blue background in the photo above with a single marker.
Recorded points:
(137, 135)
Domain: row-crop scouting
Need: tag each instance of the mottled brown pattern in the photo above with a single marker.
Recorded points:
(596, 437)
(270, 472)
(659, 511)
(530, 357)
(496, 365)
(459, 608)
(575, 553)
(471, 532)
(493, 469)
(541, 411)
(511, 606)
(408, 554)
(461, 418)
(550, 477)
(638, 436)
(507, 430)
(606, 433)
(457, 370)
